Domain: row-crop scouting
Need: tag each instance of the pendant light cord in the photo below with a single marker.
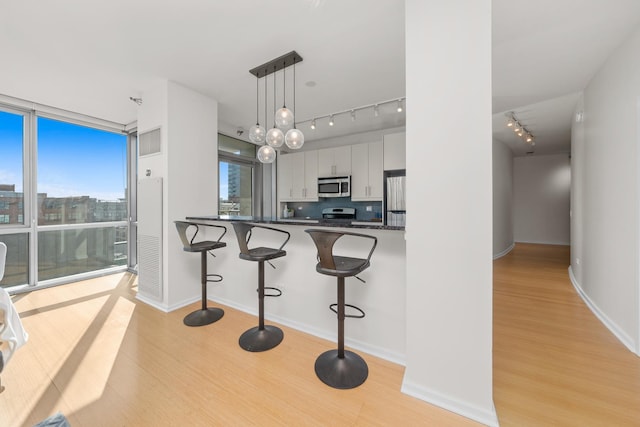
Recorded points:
(274, 96)
(265, 98)
(294, 92)
(257, 102)
(284, 85)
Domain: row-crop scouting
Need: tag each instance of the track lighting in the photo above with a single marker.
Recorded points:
(519, 129)
(353, 112)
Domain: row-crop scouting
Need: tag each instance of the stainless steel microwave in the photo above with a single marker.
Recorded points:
(337, 186)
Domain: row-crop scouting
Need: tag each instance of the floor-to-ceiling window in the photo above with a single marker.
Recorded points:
(239, 173)
(82, 204)
(64, 191)
(14, 209)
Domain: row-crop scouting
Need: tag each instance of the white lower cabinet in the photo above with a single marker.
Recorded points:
(367, 171)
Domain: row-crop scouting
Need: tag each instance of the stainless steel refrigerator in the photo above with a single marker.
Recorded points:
(394, 201)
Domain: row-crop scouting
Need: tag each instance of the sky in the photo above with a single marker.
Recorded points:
(73, 160)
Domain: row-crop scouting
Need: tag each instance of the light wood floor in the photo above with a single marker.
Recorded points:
(554, 363)
(104, 359)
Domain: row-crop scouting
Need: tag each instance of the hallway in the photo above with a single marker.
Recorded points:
(554, 362)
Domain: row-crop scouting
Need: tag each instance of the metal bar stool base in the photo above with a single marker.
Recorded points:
(348, 372)
(203, 317)
(256, 339)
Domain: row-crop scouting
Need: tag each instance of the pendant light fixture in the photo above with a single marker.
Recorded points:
(284, 119)
(257, 133)
(294, 137)
(275, 137)
(266, 153)
(284, 116)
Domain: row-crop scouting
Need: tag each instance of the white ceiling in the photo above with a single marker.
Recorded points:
(90, 57)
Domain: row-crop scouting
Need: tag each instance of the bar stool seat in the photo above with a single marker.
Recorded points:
(205, 315)
(262, 337)
(340, 368)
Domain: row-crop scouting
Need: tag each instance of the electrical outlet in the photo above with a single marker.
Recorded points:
(369, 208)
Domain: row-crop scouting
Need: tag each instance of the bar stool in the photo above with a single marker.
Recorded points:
(261, 337)
(203, 316)
(340, 368)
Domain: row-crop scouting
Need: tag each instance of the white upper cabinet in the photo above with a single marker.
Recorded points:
(335, 161)
(367, 171)
(285, 177)
(395, 152)
(298, 176)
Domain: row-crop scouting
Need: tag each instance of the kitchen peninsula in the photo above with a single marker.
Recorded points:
(307, 295)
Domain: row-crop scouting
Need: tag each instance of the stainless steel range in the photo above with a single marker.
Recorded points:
(338, 214)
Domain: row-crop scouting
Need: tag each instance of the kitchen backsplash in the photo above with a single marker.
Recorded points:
(313, 210)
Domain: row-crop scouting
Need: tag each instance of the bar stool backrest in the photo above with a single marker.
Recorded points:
(324, 241)
(243, 234)
(182, 227)
(345, 266)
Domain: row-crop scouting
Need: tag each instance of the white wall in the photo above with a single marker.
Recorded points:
(541, 187)
(606, 149)
(449, 246)
(502, 199)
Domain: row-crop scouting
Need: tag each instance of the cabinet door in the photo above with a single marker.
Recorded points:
(395, 153)
(311, 175)
(297, 176)
(359, 171)
(376, 172)
(285, 178)
(342, 160)
(325, 162)
(334, 161)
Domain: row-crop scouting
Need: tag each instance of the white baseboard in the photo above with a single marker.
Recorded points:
(382, 353)
(153, 303)
(537, 242)
(506, 251)
(610, 324)
(157, 304)
(486, 417)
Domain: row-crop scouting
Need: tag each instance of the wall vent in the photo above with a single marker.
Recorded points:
(150, 238)
(149, 143)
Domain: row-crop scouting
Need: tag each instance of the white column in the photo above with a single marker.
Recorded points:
(449, 199)
(188, 165)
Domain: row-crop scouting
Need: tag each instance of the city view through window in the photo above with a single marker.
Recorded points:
(236, 176)
(81, 182)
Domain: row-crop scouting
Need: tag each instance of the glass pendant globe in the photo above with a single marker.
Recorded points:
(275, 137)
(257, 134)
(284, 118)
(294, 138)
(266, 154)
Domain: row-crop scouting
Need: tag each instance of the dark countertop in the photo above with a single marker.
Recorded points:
(372, 225)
